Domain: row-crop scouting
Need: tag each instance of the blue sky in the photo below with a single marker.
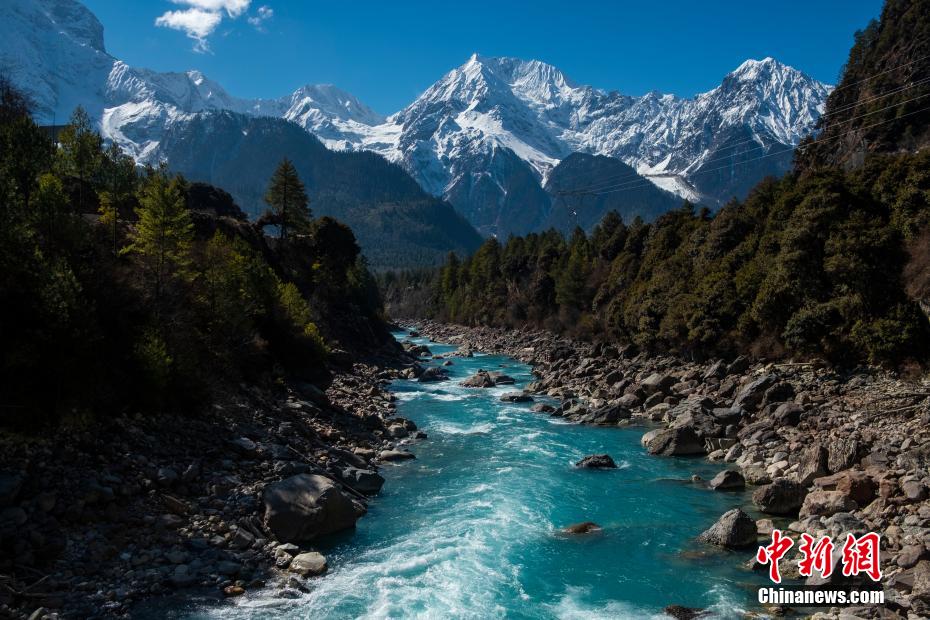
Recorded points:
(386, 53)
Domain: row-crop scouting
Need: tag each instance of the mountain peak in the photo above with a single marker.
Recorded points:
(755, 69)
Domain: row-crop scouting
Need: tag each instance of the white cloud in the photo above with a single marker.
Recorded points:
(202, 17)
(263, 14)
(234, 8)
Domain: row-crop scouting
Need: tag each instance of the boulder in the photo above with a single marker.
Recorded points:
(366, 481)
(585, 527)
(788, 414)
(738, 366)
(516, 397)
(826, 504)
(728, 480)
(733, 530)
(308, 564)
(781, 497)
(542, 408)
(751, 395)
(914, 490)
(607, 415)
(597, 461)
(305, 506)
(395, 455)
(676, 442)
(481, 379)
(844, 452)
(419, 350)
(657, 382)
(813, 464)
(680, 612)
(855, 484)
(433, 373)
(503, 380)
(910, 555)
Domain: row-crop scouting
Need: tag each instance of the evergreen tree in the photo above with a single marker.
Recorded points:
(119, 180)
(164, 233)
(81, 152)
(287, 200)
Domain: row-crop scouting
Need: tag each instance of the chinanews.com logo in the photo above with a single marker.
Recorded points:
(858, 559)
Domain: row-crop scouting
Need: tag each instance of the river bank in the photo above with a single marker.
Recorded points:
(102, 515)
(824, 452)
(479, 525)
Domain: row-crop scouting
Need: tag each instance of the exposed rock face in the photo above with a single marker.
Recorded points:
(305, 506)
(597, 461)
(734, 529)
(676, 442)
(516, 397)
(781, 497)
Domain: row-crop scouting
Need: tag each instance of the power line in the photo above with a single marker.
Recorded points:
(619, 185)
(788, 150)
(899, 89)
(875, 75)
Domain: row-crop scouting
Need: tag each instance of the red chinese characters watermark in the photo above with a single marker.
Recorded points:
(816, 555)
(860, 555)
(774, 552)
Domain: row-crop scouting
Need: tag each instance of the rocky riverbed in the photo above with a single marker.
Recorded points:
(827, 452)
(102, 515)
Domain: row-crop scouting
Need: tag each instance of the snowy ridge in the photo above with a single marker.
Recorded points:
(462, 133)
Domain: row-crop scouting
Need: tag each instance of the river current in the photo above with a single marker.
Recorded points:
(471, 528)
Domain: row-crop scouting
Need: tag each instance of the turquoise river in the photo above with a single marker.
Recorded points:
(470, 529)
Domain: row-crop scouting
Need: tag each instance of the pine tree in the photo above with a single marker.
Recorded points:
(287, 200)
(81, 151)
(50, 204)
(119, 180)
(164, 233)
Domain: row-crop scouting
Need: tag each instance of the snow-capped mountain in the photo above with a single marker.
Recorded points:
(486, 136)
(531, 108)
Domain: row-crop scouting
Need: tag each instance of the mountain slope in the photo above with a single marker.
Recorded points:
(885, 80)
(486, 136)
(696, 148)
(396, 223)
(586, 209)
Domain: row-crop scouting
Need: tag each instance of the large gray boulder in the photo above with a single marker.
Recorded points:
(781, 497)
(366, 481)
(734, 529)
(728, 480)
(812, 464)
(308, 564)
(433, 373)
(676, 442)
(597, 461)
(481, 379)
(751, 395)
(305, 506)
(826, 504)
(516, 397)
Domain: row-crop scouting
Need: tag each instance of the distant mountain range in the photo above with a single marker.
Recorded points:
(493, 137)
